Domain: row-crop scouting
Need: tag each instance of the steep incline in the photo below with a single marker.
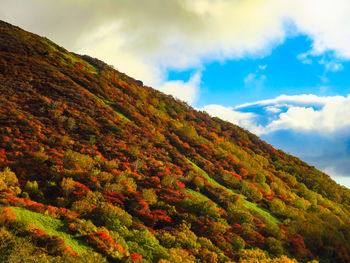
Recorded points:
(138, 176)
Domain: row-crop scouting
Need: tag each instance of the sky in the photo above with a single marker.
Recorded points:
(279, 68)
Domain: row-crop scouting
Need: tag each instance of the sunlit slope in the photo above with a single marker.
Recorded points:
(134, 175)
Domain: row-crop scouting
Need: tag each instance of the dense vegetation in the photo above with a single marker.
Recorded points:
(96, 167)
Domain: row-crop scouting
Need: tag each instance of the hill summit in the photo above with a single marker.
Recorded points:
(96, 167)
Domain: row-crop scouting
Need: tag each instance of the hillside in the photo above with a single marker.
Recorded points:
(96, 167)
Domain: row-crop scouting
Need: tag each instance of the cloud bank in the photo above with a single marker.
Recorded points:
(309, 113)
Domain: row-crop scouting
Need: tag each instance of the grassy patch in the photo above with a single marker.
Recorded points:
(199, 196)
(107, 103)
(247, 204)
(265, 213)
(67, 58)
(123, 117)
(51, 226)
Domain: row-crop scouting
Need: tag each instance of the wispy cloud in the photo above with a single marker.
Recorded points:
(304, 99)
(253, 80)
(262, 67)
(257, 79)
(331, 65)
(305, 58)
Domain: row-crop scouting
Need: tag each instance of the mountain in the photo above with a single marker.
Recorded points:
(96, 167)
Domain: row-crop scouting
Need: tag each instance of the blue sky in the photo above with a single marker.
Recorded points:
(234, 82)
(277, 68)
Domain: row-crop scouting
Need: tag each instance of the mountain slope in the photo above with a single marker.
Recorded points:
(138, 176)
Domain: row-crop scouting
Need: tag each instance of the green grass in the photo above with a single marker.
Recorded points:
(68, 57)
(51, 226)
(107, 103)
(247, 204)
(123, 117)
(266, 214)
(202, 172)
(199, 195)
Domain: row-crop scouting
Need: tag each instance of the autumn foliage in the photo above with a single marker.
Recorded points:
(140, 176)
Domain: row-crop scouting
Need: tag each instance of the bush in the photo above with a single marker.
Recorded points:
(68, 186)
(203, 208)
(40, 157)
(112, 217)
(70, 124)
(277, 206)
(150, 196)
(8, 179)
(239, 215)
(251, 192)
(274, 246)
(71, 159)
(208, 256)
(198, 182)
(237, 242)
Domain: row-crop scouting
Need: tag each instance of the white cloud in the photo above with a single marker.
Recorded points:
(273, 109)
(326, 23)
(242, 119)
(296, 118)
(329, 60)
(107, 45)
(249, 78)
(331, 65)
(187, 91)
(253, 80)
(305, 58)
(228, 114)
(285, 100)
(332, 117)
(331, 114)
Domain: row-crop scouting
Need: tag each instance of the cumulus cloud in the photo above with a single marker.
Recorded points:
(311, 113)
(228, 114)
(332, 116)
(326, 23)
(243, 119)
(187, 91)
